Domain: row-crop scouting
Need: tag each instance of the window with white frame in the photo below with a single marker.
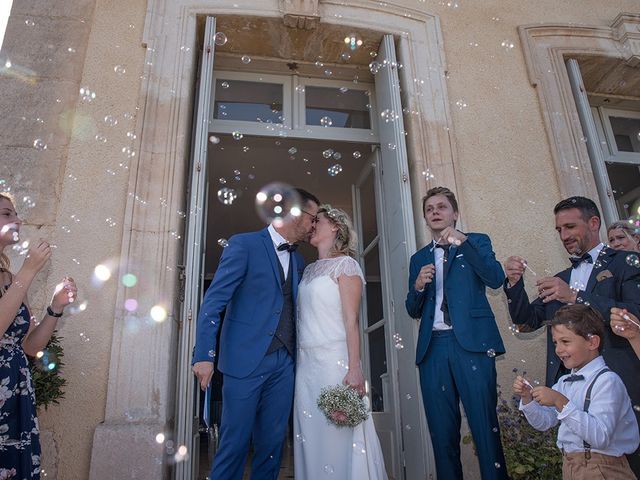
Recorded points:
(619, 133)
(256, 104)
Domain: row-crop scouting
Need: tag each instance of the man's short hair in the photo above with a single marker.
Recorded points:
(432, 192)
(587, 207)
(583, 320)
(306, 196)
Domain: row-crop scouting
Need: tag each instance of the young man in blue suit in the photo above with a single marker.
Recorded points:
(458, 338)
(256, 284)
(599, 276)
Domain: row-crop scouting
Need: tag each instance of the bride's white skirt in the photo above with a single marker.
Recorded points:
(322, 450)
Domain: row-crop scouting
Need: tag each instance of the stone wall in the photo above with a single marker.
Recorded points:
(82, 196)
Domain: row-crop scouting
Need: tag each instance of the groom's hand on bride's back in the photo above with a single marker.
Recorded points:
(204, 372)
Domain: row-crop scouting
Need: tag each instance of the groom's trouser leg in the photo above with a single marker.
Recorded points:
(240, 399)
(475, 376)
(441, 404)
(272, 418)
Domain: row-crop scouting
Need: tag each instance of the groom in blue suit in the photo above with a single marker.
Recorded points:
(458, 337)
(256, 285)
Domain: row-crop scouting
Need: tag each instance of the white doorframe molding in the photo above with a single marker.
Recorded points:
(546, 47)
(140, 391)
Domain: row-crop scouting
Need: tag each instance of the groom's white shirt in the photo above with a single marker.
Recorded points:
(283, 256)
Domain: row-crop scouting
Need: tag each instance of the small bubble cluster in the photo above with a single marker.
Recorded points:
(334, 170)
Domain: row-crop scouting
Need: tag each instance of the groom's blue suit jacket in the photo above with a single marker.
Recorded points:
(247, 286)
(471, 267)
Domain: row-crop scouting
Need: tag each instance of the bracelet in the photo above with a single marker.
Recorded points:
(51, 313)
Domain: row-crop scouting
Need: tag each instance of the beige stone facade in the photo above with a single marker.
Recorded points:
(491, 115)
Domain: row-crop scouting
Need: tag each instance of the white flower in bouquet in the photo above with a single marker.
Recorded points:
(342, 406)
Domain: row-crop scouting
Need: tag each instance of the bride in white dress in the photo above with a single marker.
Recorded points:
(329, 354)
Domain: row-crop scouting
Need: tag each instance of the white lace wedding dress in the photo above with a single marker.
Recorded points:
(322, 450)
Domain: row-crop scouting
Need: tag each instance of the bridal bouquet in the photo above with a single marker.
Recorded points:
(342, 406)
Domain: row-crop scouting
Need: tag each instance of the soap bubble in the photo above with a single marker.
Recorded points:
(374, 67)
(334, 170)
(388, 115)
(633, 260)
(491, 353)
(328, 469)
(39, 144)
(277, 201)
(227, 195)
(356, 154)
(223, 242)
(224, 84)
(213, 139)
(246, 59)
(326, 121)
(327, 153)
(110, 120)
(87, 95)
(220, 39)
(507, 45)
(158, 313)
(237, 135)
(359, 448)
(120, 69)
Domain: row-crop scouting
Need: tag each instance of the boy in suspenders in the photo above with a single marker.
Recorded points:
(598, 426)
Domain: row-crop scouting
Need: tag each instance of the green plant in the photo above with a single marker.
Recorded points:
(530, 454)
(45, 373)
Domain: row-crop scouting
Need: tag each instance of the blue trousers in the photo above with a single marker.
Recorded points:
(449, 374)
(256, 410)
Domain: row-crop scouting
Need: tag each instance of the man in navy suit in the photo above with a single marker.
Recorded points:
(600, 276)
(256, 283)
(458, 338)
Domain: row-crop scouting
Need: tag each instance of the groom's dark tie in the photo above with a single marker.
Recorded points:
(575, 261)
(289, 247)
(444, 306)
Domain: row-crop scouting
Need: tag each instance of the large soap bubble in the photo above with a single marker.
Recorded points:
(277, 201)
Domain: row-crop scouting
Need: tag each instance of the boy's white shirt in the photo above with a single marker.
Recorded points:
(610, 426)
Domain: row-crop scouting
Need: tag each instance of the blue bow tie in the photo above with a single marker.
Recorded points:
(575, 261)
(574, 378)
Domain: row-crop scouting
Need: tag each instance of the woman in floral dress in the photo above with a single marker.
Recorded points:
(21, 336)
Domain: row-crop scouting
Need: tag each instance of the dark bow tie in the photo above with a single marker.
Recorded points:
(289, 247)
(574, 378)
(444, 247)
(575, 261)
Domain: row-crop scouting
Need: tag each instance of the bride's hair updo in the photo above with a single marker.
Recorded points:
(346, 238)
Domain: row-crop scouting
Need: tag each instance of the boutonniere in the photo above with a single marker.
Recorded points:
(603, 274)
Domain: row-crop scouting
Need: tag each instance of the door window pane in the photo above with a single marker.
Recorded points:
(625, 183)
(337, 107)
(378, 368)
(626, 132)
(373, 287)
(240, 100)
(368, 215)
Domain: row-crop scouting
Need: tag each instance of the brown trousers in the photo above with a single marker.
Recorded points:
(575, 466)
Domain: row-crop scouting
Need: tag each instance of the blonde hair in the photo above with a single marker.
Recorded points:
(629, 230)
(346, 238)
(4, 260)
(626, 226)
